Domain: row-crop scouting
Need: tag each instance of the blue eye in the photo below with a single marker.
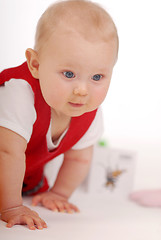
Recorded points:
(69, 74)
(97, 77)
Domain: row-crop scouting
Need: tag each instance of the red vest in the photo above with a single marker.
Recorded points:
(37, 153)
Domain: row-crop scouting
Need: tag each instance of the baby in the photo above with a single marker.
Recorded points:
(50, 105)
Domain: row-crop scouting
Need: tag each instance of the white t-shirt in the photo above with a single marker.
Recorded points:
(17, 113)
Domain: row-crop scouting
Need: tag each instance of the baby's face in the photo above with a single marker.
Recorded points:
(74, 73)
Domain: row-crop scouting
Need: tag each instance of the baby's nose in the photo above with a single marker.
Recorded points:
(81, 90)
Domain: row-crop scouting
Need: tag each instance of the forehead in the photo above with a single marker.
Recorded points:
(69, 46)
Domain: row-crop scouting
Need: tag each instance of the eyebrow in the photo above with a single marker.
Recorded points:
(66, 65)
(72, 66)
(103, 69)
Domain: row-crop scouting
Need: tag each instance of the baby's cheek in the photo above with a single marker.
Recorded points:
(100, 96)
(51, 98)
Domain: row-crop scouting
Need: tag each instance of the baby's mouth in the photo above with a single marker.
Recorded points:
(76, 104)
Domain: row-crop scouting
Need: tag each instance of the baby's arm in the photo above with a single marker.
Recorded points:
(148, 198)
(12, 170)
(71, 174)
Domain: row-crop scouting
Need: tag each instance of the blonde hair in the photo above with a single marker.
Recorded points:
(86, 17)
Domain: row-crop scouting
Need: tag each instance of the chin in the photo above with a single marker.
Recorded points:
(76, 114)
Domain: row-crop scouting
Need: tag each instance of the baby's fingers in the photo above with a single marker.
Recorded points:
(50, 204)
(40, 224)
(19, 220)
(60, 206)
(32, 223)
(10, 223)
(36, 200)
(54, 205)
(68, 208)
(74, 208)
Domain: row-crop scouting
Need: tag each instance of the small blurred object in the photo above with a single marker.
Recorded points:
(112, 171)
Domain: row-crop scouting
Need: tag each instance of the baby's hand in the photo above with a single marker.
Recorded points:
(54, 202)
(22, 216)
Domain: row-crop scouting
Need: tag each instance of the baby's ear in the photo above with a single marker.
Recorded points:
(32, 61)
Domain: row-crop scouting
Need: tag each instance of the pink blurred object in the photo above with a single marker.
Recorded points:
(148, 198)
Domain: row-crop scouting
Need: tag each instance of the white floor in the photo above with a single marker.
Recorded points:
(104, 214)
(100, 218)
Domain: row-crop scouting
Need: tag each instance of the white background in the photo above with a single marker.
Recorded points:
(132, 107)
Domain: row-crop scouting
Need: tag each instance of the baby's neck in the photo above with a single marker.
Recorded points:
(59, 124)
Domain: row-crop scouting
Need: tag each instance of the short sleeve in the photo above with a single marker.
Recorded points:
(17, 111)
(93, 134)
